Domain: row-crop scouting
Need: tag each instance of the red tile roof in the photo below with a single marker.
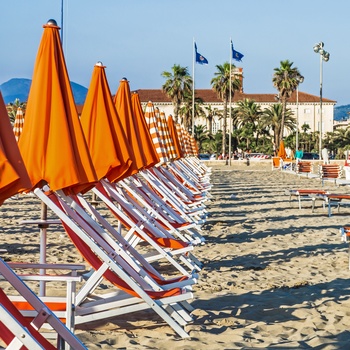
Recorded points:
(209, 96)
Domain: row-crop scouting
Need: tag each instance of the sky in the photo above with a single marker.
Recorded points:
(139, 39)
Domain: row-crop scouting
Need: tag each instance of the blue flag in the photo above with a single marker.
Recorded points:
(235, 54)
(199, 58)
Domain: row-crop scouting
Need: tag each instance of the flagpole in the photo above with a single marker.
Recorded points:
(230, 121)
(62, 22)
(193, 85)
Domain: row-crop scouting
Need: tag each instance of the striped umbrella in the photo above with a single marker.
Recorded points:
(18, 125)
(151, 121)
(13, 175)
(169, 144)
(174, 136)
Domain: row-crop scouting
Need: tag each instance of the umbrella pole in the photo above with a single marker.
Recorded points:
(43, 235)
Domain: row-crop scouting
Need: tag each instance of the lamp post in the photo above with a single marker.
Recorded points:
(324, 56)
(300, 80)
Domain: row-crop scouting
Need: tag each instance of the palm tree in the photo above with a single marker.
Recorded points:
(221, 85)
(177, 85)
(285, 79)
(272, 118)
(185, 111)
(210, 114)
(12, 109)
(248, 112)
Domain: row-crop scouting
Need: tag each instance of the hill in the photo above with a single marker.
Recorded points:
(341, 112)
(19, 88)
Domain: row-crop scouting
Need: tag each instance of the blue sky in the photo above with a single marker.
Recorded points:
(139, 39)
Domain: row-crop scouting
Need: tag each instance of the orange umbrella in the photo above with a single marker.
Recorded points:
(282, 151)
(174, 135)
(13, 175)
(151, 121)
(169, 146)
(109, 148)
(52, 143)
(122, 101)
(18, 124)
(140, 122)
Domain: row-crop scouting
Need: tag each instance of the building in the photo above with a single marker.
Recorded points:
(307, 105)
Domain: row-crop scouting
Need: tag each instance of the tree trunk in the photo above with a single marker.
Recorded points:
(284, 108)
(224, 128)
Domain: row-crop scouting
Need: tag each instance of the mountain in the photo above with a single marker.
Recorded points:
(19, 88)
(341, 112)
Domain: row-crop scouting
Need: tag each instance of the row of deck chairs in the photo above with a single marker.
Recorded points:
(159, 211)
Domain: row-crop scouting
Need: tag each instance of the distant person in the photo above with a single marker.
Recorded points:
(325, 156)
(299, 153)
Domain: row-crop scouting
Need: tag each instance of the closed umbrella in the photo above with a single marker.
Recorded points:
(282, 151)
(148, 148)
(52, 142)
(151, 121)
(13, 175)
(122, 101)
(109, 148)
(18, 124)
(174, 136)
(168, 142)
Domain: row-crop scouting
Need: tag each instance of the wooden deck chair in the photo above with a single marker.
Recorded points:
(330, 172)
(304, 168)
(139, 228)
(303, 194)
(21, 332)
(133, 291)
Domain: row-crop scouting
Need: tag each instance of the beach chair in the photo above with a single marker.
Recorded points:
(276, 163)
(19, 331)
(134, 289)
(330, 172)
(303, 194)
(143, 228)
(332, 200)
(304, 168)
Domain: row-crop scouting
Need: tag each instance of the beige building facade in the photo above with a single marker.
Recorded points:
(306, 107)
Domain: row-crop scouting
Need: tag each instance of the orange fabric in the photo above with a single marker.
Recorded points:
(175, 138)
(52, 143)
(109, 148)
(151, 121)
(7, 336)
(13, 175)
(148, 148)
(122, 101)
(282, 151)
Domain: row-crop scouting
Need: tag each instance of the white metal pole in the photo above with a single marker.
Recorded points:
(230, 121)
(297, 132)
(193, 84)
(320, 128)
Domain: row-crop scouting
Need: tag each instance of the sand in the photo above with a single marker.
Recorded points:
(274, 276)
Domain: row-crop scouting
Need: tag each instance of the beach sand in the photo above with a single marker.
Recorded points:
(274, 276)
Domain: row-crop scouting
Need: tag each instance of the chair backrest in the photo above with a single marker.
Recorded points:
(304, 167)
(330, 171)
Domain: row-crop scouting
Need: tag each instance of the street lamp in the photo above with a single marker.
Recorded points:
(324, 56)
(300, 80)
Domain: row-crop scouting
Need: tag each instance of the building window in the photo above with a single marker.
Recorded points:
(307, 110)
(215, 127)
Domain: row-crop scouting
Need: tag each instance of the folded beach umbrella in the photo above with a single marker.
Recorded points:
(13, 175)
(151, 121)
(18, 124)
(52, 143)
(181, 139)
(186, 140)
(168, 142)
(109, 148)
(282, 151)
(174, 136)
(148, 148)
(122, 101)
